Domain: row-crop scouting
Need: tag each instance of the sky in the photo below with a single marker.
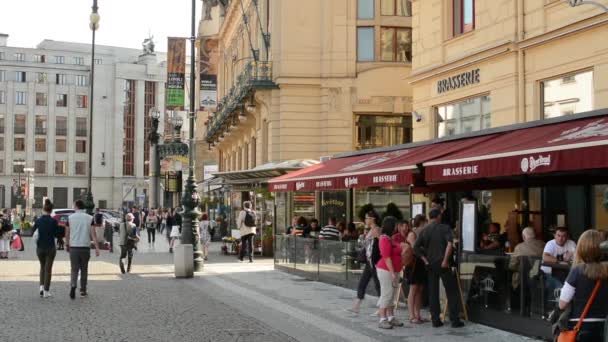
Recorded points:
(124, 23)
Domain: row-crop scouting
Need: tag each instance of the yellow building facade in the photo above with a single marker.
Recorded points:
(332, 77)
(488, 63)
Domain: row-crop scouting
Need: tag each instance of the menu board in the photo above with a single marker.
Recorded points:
(468, 225)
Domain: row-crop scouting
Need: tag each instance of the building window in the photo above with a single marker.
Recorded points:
(401, 8)
(246, 157)
(19, 124)
(1, 166)
(61, 126)
(18, 168)
(254, 147)
(40, 145)
(1, 143)
(20, 57)
(365, 44)
(61, 79)
(39, 58)
(79, 193)
(60, 145)
(465, 116)
(59, 59)
(2, 75)
(41, 77)
(463, 16)
(82, 101)
(81, 127)
(128, 162)
(149, 103)
(80, 168)
(365, 9)
(382, 130)
(41, 124)
(39, 194)
(61, 100)
(1, 123)
(39, 167)
(19, 144)
(396, 44)
(20, 76)
(98, 61)
(78, 60)
(81, 146)
(567, 94)
(60, 168)
(41, 99)
(2, 97)
(81, 80)
(1, 55)
(20, 98)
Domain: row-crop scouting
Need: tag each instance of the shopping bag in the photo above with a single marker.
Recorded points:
(17, 244)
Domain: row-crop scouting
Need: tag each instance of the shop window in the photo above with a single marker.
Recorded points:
(567, 95)
(465, 116)
(380, 199)
(396, 44)
(600, 204)
(463, 16)
(402, 8)
(382, 130)
(365, 9)
(365, 44)
(60, 197)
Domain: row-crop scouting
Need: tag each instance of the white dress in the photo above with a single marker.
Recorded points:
(204, 232)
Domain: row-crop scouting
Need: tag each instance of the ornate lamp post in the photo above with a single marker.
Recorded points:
(154, 137)
(94, 25)
(191, 200)
(21, 164)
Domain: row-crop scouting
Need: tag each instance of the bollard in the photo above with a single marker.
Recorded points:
(183, 259)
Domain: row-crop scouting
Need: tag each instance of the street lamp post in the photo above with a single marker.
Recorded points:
(28, 171)
(21, 163)
(94, 25)
(191, 200)
(154, 137)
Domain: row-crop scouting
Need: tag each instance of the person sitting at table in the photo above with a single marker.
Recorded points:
(301, 228)
(558, 251)
(493, 240)
(531, 247)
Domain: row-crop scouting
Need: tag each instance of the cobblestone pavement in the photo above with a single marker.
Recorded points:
(228, 301)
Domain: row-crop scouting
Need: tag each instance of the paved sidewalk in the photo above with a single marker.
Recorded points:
(228, 301)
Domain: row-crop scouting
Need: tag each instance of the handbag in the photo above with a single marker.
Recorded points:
(570, 335)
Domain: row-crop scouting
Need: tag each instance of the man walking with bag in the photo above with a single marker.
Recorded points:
(246, 224)
(128, 239)
(79, 234)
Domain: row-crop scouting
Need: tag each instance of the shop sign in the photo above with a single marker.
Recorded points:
(280, 186)
(324, 184)
(176, 73)
(530, 164)
(458, 81)
(461, 171)
(384, 179)
(300, 186)
(350, 181)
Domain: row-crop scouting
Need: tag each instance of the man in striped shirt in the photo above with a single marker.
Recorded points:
(330, 232)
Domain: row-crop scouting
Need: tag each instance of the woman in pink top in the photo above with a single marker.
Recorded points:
(389, 268)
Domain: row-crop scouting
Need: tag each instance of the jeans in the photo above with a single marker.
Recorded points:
(151, 235)
(126, 252)
(369, 273)
(46, 256)
(451, 288)
(79, 260)
(247, 242)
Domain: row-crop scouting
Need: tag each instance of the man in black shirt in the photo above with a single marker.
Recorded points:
(436, 244)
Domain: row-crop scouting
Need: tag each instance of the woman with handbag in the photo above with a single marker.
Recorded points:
(389, 273)
(586, 290)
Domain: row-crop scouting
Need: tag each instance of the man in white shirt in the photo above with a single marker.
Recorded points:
(246, 224)
(79, 234)
(560, 250)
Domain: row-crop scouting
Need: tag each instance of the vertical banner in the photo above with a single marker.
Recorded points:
(208, 59)
(176, 73)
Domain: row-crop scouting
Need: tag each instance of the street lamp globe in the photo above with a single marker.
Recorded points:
(154, 113)
(177, 121)
(94, 21)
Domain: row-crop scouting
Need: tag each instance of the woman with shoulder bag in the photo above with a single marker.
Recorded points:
(389, 270)
(586, 290)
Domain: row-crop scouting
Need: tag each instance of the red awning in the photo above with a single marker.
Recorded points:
(566, 146)
(369, 170)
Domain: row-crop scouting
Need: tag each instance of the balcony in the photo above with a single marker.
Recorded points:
(256, 76)
(81, 132)
(41, 130)
(19, 129)
(61, 131)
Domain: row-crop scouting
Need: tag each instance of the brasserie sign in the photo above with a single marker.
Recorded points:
(458, 81)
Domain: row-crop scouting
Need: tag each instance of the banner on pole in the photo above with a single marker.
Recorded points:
(208, 59)
(176, 73)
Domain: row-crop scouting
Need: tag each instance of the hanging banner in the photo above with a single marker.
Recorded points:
(176, 73)
(208, 58)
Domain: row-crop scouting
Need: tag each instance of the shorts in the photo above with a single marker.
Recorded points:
(416, 274)
(175, 232)
(387, 291)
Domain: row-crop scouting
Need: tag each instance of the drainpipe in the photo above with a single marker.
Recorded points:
(521, 67)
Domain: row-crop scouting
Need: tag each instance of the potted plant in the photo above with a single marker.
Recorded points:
(27, 228)
(267, 241)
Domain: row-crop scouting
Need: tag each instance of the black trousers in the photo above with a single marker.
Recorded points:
(246, 243)
(46, 256)
(151, 235)
(369, 273)
(451, 288)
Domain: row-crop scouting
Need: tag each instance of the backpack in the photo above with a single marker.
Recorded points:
(249, 219)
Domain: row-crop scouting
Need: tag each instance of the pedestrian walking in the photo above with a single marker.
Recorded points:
(128, 239)
(175, 229)
(436, 245)
(370, 255)
(163, 220)
(151, 223)
(389, 270)
(6, 233)
(79, 234)
(47, 230)
(246, 224)
(205, 235)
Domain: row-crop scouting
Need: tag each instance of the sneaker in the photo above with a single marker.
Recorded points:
(122, 267)
(457, 324)
(374, 314)
(385, 325)
(396, 323)
(83, 293)
(41, 290)
(437, 324)
(47, 294)
(170, 250)
(73, 293)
